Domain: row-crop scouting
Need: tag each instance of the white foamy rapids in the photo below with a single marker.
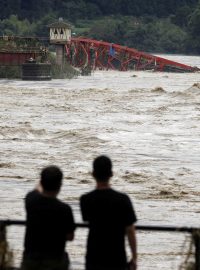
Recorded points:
(147, 122)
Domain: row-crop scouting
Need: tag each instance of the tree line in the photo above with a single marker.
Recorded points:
(154, 26)
(35, 9)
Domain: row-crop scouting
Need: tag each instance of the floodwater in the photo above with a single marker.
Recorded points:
(147, 122)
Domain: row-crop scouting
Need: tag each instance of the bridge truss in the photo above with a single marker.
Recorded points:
(82, 52)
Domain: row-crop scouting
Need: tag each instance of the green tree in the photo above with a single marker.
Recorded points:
(73, 10)
(9, 7)
(16, 27)
(194, 21)
(108, 29)
(156, 36)
(41, 26)
(172, 39)
(182, 15)
(194, 29)
(35, 9)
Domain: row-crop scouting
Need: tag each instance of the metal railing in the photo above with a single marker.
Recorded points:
(194, 231)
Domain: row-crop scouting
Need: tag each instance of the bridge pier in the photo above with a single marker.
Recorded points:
(60, 54)
(36, 71)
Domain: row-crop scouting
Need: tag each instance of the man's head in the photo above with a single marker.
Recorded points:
(102, 169)
(51, 179)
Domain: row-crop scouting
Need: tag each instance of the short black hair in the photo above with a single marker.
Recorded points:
(102, 168)
(51, 178)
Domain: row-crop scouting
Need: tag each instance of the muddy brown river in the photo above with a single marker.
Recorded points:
(147, 122)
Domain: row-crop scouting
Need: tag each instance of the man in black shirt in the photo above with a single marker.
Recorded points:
(111, 217)
(50, 224)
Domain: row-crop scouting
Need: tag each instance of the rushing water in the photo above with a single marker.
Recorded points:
(147, 122)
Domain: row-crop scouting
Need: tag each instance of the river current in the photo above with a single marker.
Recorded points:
(147, 122)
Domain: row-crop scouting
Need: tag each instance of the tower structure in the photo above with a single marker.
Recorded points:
(60, 34)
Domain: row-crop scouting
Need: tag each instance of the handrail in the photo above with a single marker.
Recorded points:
(166, 228)
(194, 231)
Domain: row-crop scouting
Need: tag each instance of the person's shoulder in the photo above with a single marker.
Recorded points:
(64, 212)
(63, 205)
(120, 195)
(88, 195)
(32, 194)
(32, 197)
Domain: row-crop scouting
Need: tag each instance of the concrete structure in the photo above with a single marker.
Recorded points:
(60, 34)
(32, 71)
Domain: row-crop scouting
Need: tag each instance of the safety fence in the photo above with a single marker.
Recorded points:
(193, 231)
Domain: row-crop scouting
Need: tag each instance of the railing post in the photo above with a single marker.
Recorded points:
(3, 246)
(196, 237)
(6, 255)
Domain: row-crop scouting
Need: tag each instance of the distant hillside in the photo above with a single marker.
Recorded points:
(161, 26)
(35, 9)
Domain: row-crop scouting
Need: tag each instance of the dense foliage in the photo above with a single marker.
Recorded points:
(156, 26)
(73, 9)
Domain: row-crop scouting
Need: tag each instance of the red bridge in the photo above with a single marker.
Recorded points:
(103, 55)
(15, 51)
(17, 58)
(83, 52)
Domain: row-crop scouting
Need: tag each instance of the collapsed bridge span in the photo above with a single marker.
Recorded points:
(82, 52)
